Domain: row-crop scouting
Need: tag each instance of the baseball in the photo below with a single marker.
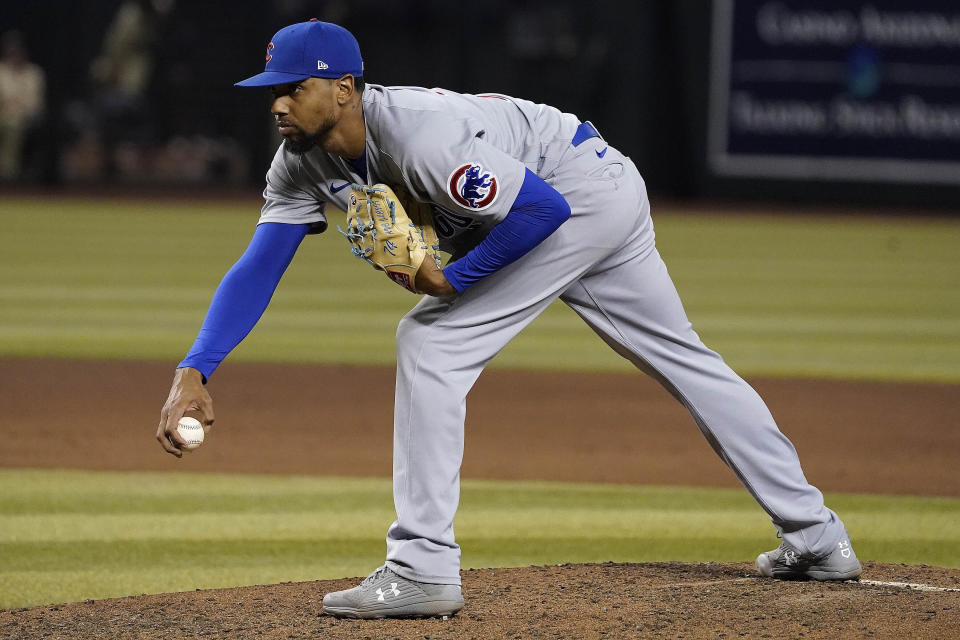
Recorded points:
(190, 430)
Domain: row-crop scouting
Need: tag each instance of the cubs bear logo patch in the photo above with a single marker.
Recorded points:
(472, 187)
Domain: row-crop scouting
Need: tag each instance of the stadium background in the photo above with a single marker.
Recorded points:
(640, 71)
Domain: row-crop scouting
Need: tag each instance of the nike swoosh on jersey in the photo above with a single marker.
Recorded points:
(600, 154)
(334, 189)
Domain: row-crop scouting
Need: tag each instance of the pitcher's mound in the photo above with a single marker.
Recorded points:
(675, 600)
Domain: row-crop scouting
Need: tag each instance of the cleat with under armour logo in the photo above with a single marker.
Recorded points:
(384, 594)
(786, 563)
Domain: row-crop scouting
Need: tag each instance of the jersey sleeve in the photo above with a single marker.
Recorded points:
(538, 211)
(448, 161)
(243, 295)
(286, 200)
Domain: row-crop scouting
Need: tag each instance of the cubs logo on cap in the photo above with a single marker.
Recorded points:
(473, 187)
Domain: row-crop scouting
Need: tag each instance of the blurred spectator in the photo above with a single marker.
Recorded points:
(122, 73)
(126, 61)
(22, 90)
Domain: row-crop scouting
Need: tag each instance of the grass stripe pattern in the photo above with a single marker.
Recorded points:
(72, 535)
(872, 298)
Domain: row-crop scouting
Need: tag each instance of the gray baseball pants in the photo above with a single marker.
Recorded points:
(603, 263)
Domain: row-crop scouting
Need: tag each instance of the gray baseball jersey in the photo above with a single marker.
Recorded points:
(433, 142)
(468, 155)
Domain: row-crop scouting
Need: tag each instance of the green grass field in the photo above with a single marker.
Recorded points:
(853, 298)
(72, 535)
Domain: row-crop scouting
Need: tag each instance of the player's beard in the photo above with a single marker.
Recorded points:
(307, 141)
(301, 145)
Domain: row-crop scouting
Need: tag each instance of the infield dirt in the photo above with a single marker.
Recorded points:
(852, 437)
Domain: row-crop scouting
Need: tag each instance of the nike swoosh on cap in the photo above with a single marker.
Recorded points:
(334, 189)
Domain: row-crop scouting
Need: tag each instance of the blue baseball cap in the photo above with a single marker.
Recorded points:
(308, 49)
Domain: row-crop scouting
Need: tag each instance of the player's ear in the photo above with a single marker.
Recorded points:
(345, 87)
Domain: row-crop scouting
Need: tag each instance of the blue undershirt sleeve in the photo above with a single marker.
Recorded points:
(243, 294)
(538, 211)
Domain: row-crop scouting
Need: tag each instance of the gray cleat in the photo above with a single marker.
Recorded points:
(786, 563)
(384, 594)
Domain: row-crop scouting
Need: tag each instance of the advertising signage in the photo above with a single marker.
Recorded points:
(836, 90)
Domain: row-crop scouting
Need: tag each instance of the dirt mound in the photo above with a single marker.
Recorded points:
(568, 601)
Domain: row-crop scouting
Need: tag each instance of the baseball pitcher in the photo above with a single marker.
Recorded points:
(533, 205)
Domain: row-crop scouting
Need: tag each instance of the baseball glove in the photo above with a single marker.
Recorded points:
(394, 238)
